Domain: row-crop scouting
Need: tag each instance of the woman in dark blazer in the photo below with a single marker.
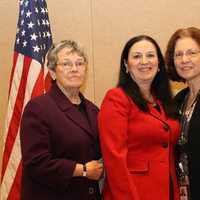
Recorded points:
(183, 60)
(138, 131)
(59, 135)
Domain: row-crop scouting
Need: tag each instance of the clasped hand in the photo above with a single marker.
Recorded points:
(94, 169)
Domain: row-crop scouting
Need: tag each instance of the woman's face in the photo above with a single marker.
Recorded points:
(70, 71)
(143, 62)
(187, 58)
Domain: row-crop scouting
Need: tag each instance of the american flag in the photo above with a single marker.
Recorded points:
(28, 79)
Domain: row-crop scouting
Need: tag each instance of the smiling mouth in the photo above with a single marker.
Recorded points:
(186, 68)
(143, 69)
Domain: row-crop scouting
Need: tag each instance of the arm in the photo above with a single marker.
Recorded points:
(94, 170)
(113, 123)
(37, 157)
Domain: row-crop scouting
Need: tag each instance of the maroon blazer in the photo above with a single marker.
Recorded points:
(54, 137)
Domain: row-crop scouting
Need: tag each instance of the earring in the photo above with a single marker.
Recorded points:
(52, 74)
(53, 77)
(126, 66)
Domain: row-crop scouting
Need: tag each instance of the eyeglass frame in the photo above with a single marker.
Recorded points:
(189, 53)
(68, 65)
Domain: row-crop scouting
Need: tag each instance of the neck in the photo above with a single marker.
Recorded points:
(194, 86)
(146, 93)
(71, 93)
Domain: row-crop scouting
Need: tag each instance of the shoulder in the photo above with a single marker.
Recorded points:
(42, 99)
(38, 104)
(179, 97)
(116, 98)
(91, 105)
(117, 94)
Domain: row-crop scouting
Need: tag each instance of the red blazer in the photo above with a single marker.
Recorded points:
(138, 150)
(54, 137)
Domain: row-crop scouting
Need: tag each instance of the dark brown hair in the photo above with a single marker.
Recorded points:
(191, 32)
(160, 86)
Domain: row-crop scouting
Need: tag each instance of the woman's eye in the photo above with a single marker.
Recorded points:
(136, 56)
(150, 55)
(66, 64)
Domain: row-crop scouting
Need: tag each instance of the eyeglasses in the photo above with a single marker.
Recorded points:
(68, 65)
(190, 53)
(139, 56)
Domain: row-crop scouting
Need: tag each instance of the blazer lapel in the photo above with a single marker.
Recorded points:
(73, 113)
(161, 116)
(92, 117)
(156, 113)
(69, 109)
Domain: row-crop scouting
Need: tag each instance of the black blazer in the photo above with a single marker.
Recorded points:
(194, 144)
(54, 137)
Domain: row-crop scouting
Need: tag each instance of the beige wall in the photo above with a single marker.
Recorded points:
(103, 27)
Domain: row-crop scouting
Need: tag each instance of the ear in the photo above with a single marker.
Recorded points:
(52, 74)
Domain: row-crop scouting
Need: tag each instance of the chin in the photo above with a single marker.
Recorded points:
(187, 76)
(76, 85)
(149, 78)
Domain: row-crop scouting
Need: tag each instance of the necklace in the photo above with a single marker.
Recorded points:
(188, 105)
(190, 102)
(149, 99)
(186, 112)
(153, 104)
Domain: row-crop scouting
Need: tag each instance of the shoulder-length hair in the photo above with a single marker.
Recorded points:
(191, 32)
(74, 47)
(160, 87)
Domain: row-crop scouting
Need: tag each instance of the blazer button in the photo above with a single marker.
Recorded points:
(164, 145)
(91, 190)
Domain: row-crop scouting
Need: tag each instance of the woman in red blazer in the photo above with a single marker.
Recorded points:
(59, 134)
(138, 129)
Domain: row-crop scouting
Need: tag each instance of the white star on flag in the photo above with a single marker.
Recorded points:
(34, 36)
(24, 43)
(36, 48)
(28, 14)
(30, 25)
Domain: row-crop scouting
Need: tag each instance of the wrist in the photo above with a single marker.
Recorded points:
(84, 171)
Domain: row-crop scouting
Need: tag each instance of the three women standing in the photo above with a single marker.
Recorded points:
(138, 129)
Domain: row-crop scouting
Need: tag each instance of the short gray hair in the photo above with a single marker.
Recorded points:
(52, 55)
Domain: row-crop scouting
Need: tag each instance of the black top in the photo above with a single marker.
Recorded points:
(190, 129)
(81, 108)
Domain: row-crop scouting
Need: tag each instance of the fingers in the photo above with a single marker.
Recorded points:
(94, 169)
(183, 193)
(94, 164)
(100, 165)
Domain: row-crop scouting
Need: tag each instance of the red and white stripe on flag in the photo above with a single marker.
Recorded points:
(29, 78)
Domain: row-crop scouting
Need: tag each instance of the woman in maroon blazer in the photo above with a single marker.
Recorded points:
(138, 131)
(59, 137)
